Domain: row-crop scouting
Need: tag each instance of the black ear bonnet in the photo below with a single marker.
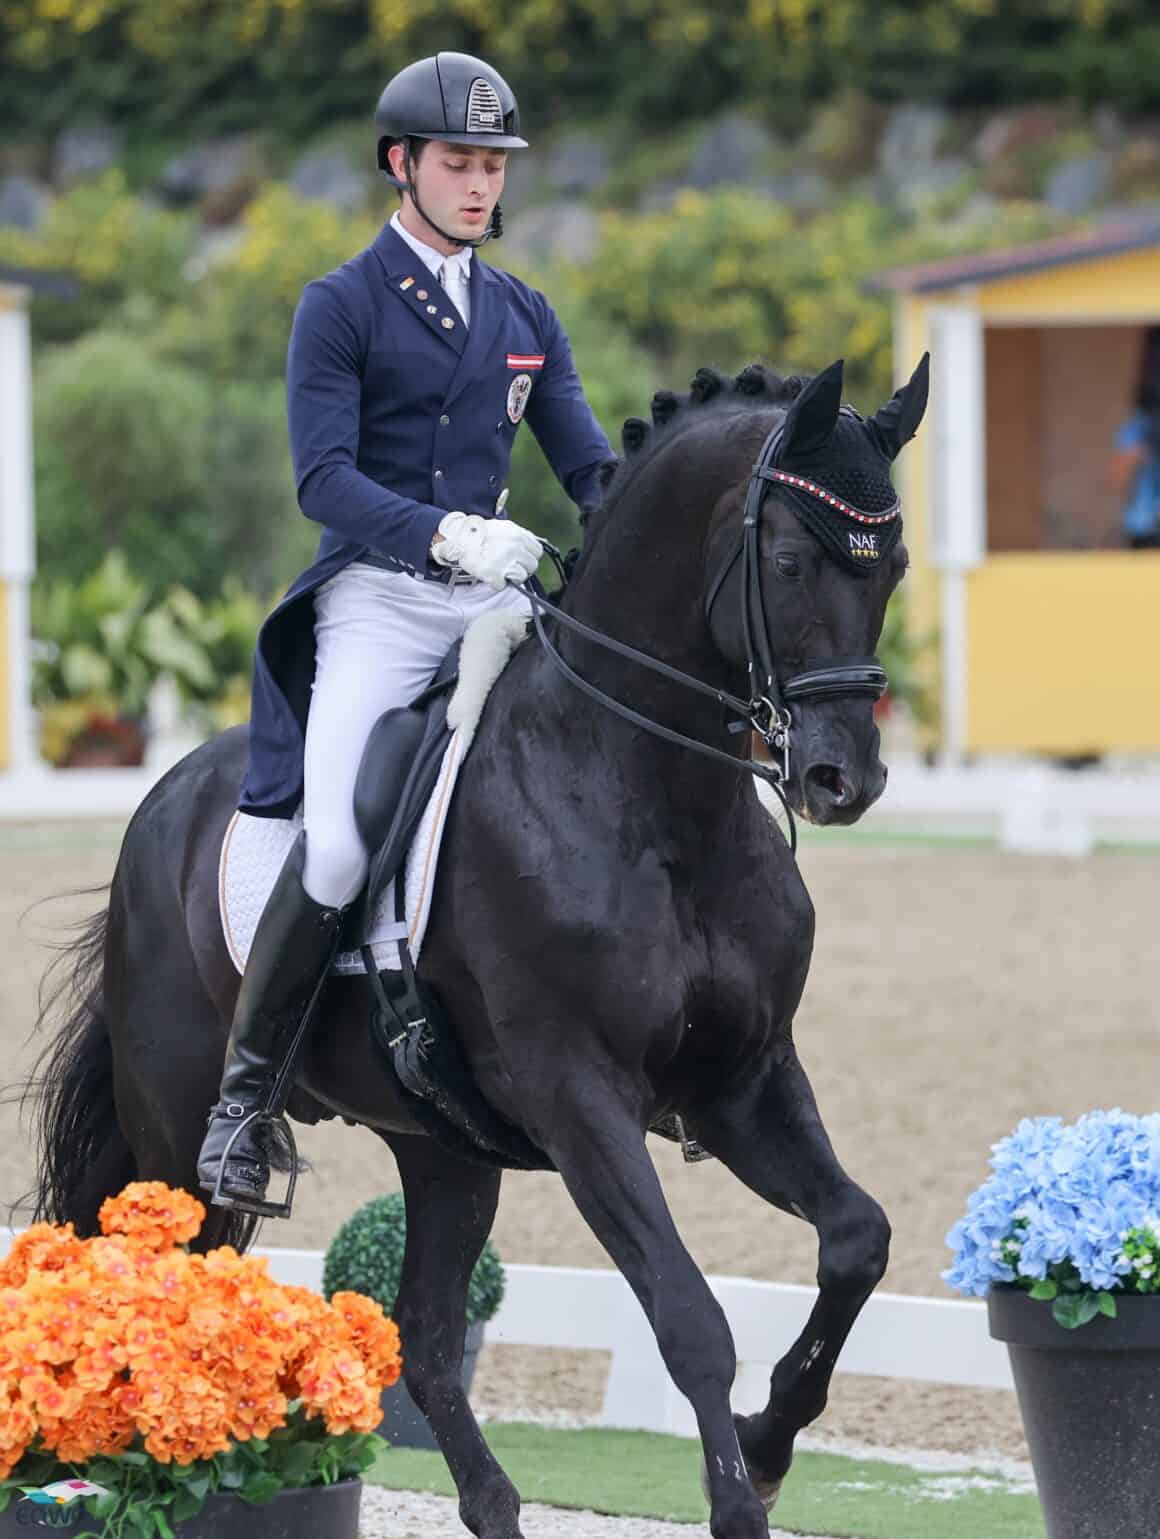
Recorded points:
(833, 467)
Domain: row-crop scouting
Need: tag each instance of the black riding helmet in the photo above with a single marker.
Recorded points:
(450, 96)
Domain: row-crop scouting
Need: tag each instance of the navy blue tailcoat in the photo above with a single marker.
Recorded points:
(399, 413)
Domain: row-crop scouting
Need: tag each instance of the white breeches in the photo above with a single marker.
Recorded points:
(379, 637)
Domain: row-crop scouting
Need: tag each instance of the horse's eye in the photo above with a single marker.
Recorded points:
(788, 566)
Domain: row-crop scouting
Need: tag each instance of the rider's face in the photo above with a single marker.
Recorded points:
(459, 185)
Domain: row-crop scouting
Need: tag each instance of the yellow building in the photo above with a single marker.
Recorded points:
(1049, 628)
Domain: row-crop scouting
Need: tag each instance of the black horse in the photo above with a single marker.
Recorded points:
(621, 931)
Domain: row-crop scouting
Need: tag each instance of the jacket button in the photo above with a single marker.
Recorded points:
(491, 480)
(444, 421)
(438, 475)
(499, 427)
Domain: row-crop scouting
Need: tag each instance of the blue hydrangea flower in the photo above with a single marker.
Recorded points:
(1067, 1193)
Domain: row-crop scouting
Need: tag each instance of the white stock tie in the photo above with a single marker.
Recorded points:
(453, 279)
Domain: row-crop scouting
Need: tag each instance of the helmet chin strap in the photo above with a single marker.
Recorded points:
(495, 223)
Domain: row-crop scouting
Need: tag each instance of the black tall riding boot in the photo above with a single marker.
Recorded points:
(292, 949)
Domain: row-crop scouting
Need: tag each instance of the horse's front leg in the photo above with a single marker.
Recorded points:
(598, 1146)
(450, 1208)
(771, 1136)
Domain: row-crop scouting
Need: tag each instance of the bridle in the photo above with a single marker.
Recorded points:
(769, 699)
(768, 709)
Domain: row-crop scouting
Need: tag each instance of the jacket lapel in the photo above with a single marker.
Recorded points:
(419, 291)
(487, 313)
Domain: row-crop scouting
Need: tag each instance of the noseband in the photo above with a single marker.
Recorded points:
(767, 711)
(769, 699)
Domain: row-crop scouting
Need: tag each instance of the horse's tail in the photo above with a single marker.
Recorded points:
(83, 1156)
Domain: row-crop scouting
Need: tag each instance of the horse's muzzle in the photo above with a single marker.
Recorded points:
(839, 792)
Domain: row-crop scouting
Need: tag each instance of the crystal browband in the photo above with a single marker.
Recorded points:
(805, 485)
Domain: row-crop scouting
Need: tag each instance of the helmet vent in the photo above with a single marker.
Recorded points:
(484, 114)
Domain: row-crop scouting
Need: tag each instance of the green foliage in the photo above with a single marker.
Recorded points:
(137, 451)
(223, 630)
(146, 1498)
(366, 1256)
(165, 435)
(234, 322)
(1142, 1249)
(730, 278)
(101, 644)
(103, 637)
(302, 63)
(122, 439)
(112, 245)
(248, 500)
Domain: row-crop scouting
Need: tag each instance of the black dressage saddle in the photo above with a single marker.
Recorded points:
(413, 1032)
(409, 1025)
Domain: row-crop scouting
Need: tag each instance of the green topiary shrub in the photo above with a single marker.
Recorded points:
(366, 1256)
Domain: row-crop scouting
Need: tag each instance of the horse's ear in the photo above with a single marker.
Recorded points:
(897, 422)
(810, 420)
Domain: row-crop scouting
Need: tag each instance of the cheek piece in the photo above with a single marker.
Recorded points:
(771, 698)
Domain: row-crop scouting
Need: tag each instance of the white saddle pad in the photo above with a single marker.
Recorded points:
(255, 849)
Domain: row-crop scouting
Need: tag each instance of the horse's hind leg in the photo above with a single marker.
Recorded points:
(599, 1150)
(772, 1138)
(156, 993)
(450, 1208)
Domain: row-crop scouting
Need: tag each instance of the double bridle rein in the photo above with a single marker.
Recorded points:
(767, 711)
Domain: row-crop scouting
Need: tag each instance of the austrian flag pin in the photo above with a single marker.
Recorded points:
(525, 360)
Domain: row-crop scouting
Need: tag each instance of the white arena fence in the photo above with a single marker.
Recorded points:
(936, 1341)
(942, 1341)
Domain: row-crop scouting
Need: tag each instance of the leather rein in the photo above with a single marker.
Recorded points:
(767, 711)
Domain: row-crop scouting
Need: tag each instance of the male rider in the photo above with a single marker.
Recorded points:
(409, 371)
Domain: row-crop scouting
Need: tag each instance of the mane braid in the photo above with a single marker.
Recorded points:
(755, 387)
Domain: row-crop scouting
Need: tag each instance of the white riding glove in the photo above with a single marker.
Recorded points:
(491, 549)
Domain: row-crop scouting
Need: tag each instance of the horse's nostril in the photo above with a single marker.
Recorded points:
(830, 780)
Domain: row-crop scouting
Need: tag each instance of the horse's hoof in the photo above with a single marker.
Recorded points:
(767, 1491)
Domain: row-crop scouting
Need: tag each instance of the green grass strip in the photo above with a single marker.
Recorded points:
(649, 1475)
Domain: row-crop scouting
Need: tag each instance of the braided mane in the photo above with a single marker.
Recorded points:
(754, 386)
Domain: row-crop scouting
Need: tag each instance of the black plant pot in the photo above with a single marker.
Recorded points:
(313, 1512)
(1090, 1400)
(403, 1424)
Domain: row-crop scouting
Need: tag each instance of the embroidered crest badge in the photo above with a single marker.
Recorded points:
(517, 399)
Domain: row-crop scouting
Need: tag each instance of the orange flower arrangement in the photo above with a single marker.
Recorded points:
(127, 1340)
